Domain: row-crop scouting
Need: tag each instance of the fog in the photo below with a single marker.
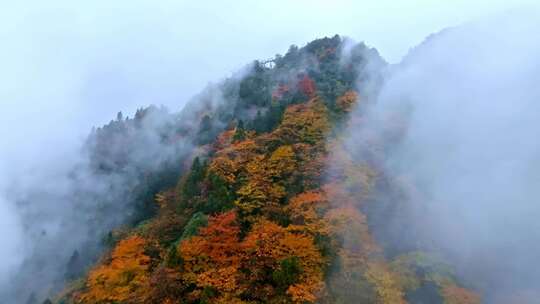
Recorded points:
(67, 67)
(468, 101)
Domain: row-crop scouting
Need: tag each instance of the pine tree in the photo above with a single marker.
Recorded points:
(220, 197)
(240, 133)
(192, 184)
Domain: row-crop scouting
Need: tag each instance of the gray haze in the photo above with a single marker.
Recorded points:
(65, 207)
(68, 66)
(469, 101)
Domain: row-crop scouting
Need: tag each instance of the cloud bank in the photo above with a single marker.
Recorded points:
(69, 66)
(468, 98)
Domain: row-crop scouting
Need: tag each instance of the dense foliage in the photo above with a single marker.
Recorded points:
(259, 216)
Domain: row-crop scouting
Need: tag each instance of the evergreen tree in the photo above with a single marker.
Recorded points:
(258, 124)
(74, 266)
(206, 132)
(274, 116)
(220, 197)
(240, 133)
(192, 184)
(173, 259)
(288, 272)
(197, 221)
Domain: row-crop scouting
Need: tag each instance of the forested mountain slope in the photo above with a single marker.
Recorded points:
(250, 195)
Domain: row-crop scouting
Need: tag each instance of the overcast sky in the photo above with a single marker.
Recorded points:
(69, 65)
(66, 66)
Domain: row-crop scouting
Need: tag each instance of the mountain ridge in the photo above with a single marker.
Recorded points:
(249, 195)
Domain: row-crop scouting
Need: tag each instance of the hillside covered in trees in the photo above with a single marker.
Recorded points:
(251, 195)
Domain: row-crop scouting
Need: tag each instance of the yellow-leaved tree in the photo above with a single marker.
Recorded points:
(278, 262)
(120, 280)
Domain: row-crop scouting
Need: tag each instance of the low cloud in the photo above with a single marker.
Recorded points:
(467, 99)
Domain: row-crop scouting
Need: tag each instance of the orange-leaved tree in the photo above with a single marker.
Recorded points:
(230, 162)
(211, 259)
(306, 85)
(306, 211)
(347, 101)
(120, 280)
(279, 263)
(454, 294)
(306, 123)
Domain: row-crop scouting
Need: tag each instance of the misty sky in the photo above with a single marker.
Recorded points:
(69, 65)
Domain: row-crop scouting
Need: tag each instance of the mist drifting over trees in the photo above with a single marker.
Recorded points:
(323, 174)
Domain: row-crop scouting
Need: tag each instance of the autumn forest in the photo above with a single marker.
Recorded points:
(264, 201)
